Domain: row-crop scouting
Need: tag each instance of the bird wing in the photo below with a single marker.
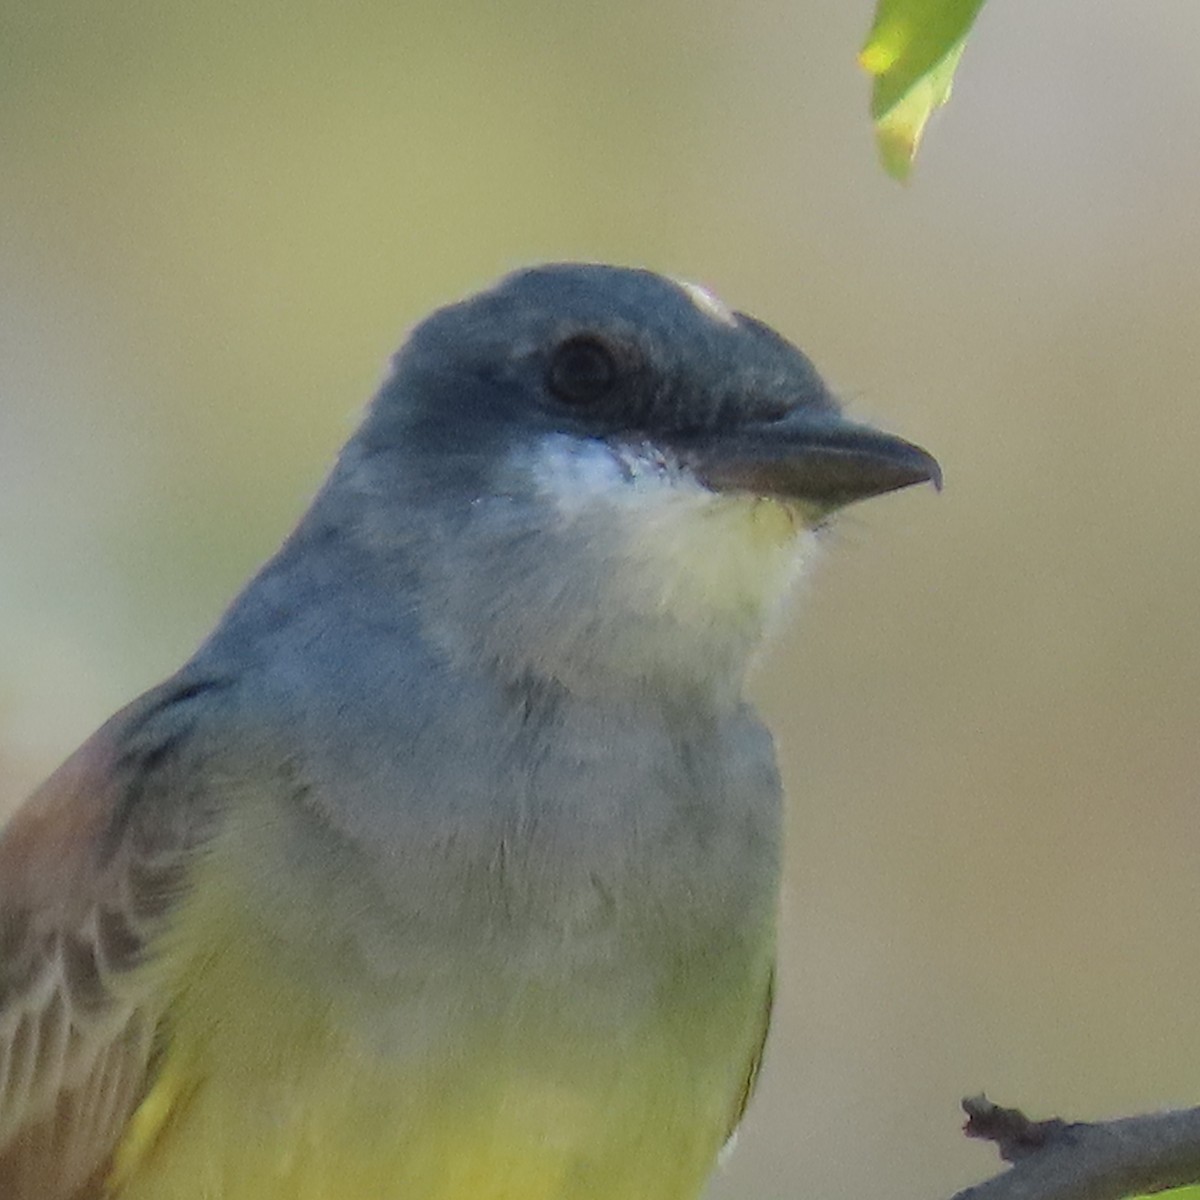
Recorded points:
(90, 869)
(754, 1066)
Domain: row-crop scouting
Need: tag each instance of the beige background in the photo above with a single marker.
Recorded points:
(217, 219)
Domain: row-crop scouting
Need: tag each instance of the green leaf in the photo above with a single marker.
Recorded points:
(912, 51)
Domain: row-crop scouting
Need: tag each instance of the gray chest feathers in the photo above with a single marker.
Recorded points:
(532, 827)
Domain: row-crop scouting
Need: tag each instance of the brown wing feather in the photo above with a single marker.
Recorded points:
(90, 867)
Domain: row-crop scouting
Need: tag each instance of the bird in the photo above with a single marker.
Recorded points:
(447, 868)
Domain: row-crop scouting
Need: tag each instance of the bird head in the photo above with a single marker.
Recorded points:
(600, 474)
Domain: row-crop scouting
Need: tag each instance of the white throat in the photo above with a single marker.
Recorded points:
(679, 579)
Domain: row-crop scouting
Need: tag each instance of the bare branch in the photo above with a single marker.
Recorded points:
(1108, 1160)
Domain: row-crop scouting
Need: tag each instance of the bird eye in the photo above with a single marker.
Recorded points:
(582, 371)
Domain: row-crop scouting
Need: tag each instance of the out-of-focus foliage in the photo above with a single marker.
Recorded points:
(912, 51)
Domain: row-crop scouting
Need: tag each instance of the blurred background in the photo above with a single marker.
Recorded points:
(217, 220)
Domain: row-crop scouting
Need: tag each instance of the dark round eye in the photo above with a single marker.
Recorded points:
(582, 371)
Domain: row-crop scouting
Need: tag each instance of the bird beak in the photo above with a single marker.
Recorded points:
(819, 458)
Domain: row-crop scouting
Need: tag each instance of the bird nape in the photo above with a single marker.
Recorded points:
(447, 867)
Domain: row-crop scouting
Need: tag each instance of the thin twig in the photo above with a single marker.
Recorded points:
(1107, 1160)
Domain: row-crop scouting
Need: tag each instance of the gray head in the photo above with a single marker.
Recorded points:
(599, 475)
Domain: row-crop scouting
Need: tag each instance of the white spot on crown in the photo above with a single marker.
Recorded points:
(707, 303)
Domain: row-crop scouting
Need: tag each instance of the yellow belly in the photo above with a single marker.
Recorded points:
(366, 1138)
(268, 1089)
